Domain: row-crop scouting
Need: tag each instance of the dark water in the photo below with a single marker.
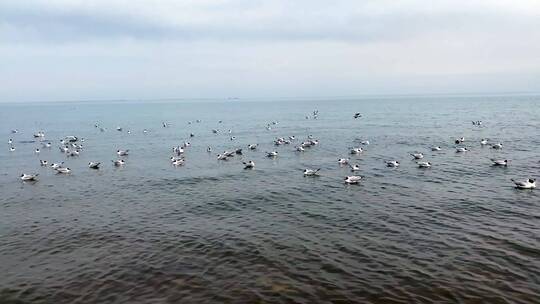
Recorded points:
(211, 232)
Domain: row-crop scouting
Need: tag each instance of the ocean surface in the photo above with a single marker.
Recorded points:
(212, 232)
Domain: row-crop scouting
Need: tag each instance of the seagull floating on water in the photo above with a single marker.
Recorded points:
(249, 165)
(355, 168)
(417, 155)
(63, 170)
(118, 162)
(353, 179)
(56, 165)
(122, 152)
(459, 140)
(499, 162)
(43, 162)
(252, 146)
(497, 146)
(311, 172)
(272, 154)
(392, 163)
(357, 115)
(423, 164)
(11, 149)
(10, 141)
(461, 150)
(528, 184)
(484, 142)
(94, 165)
(356, 150)
(29, 177)
(436, 148)
(343, 161)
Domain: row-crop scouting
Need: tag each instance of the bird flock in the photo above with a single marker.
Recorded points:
(72, 146)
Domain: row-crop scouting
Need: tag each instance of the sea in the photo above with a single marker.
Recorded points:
(212, 232)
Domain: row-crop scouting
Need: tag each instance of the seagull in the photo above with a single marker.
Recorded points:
(209, 149)
(122, 152)
(238, 151)
(43, 162)
(252, 146)
(47, 145)
(423, 164)
(119, 129)
(292, 137)
(497, 146)
(56, 165)
(300, 149)
(343, 161)
(437, 148)
(145, 131)
(93, 165)
(311, 172)
(271, 154)
(215, 131)
(499, 162)
(528, 184)
(355, 168)
(11, 149)
(10, 141)
(461, 150)
(39, 134)
(178, 162)
(29, 177)
(63, 149)
(460, 140)
(357, 115)
(63, 170)
(119, 162)
(249, 165)
(74, 153)
(36, 151)
(392, 163)
(71, 138)
(417, 155)
(365, 142)
(191, 135)
(187, 144)
(353, 179)
(222, 157)
(233, 137)
(484, 142)
(14, 131)
(356, 150)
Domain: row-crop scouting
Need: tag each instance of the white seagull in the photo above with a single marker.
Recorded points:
(461, 150)
(353, 179)
(29, 177)
(497, 146)
(343, 161)
(499, 162)
(356, 150)
(528, 184)
(417, 155)
(423, 164)
(272, 154)
(436, 148)
(311, 172)
(118, 162)
(355, 168)
(122, 152)
(484, 142)
(43, 162)
(93, 165)
(63, 170)
(252, 146)
(392, 163)
(249, 165)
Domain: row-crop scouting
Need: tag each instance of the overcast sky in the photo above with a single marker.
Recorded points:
(112, 49)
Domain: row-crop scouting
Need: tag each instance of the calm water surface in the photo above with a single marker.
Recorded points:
(211, 232)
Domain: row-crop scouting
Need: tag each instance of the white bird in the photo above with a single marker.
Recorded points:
(122, 152)
(63, 170)
(47, 145)
(353, 179)
(392, 163)
(119, 129)
(215, 131)
(222, 157)
(497, 146)
(118, 162)
(43, 162)
(14, 131)
(56, 165)
(63, 149)
(499, 162)
(528, 184)
(459, 140)
(178, 162)
(29, 177)
(39, 134)
(417, 155)
(36, 151)
(365, 142)
(355, 168)
(461, 150)
(311, 172)
(272, 154)
(249, 165)
(436, 148)
(233, 137)
(187, 144)
(356, 150)
(74, 153)
(343, 161)
(94, 165)
(11, 149)
(209, 149)
(252, 146)
(484, 142)
(423, 164)
(314, 142)
(10, 141)
(300, 149)
(292, 137)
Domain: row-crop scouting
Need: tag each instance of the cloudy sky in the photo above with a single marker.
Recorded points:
(129, 49)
